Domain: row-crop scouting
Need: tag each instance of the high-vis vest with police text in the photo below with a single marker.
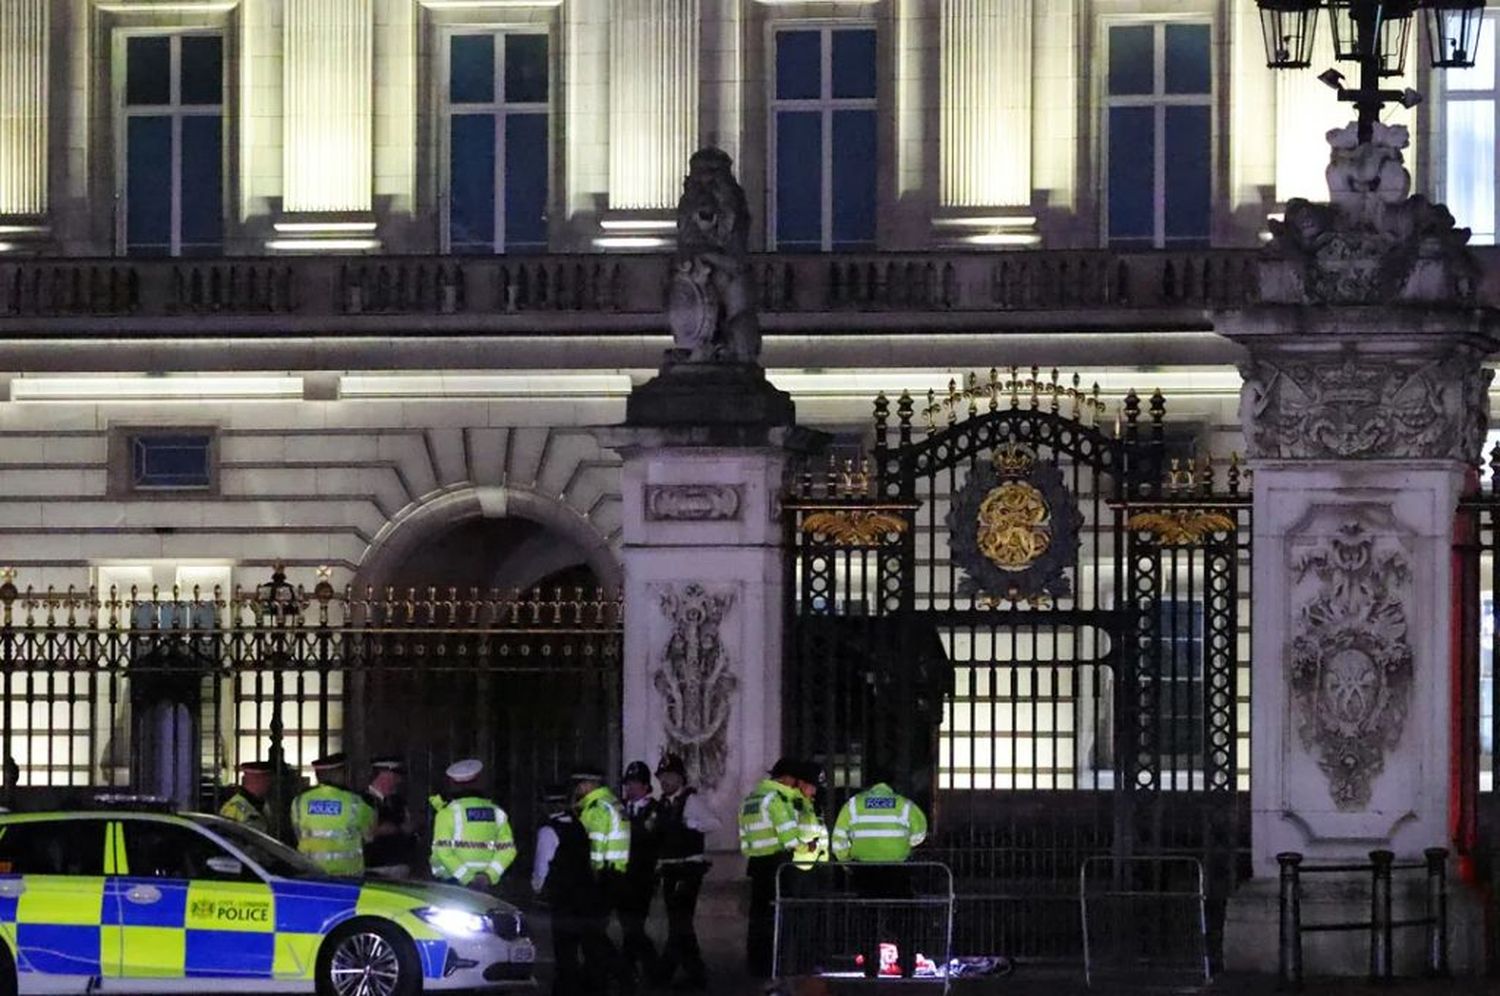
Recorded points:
(608, 830)
(878, 825)
(471, 836)
(770, 819)
(240, 808)
(332, 825)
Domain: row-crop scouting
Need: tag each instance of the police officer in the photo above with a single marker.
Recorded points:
(633, 904)
(561, 877)
(810, 827)
(394, 850)
(609, 853)
(770, 821)
(880, 826)
(472, 844)
(683, 820)
(331, 822)
(247, 803)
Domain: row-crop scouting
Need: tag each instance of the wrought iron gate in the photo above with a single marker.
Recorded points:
(1040, 625)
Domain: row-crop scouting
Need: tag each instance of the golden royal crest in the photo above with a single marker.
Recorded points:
(1014, 525)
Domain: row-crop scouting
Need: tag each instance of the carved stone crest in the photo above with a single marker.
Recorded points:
(1373, 243)
(1354, 408)
(692, 502)
(1013, 528)
(1351, 664)
(711, 302)
(695, 681)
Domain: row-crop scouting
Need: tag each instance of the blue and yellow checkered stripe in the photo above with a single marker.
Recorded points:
(73, 925)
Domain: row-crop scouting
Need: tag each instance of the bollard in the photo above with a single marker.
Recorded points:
(1381, 968)
(1437, 911)
(1289, 959)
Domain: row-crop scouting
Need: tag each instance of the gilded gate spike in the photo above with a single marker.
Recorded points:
(993, 389)
(1055, 389)
(1015, 387)
(971, 391)
(951, 402)
(931, 410)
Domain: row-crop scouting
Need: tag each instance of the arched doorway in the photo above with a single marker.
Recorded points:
(504, 645)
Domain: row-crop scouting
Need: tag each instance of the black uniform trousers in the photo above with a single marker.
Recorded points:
(760, 939)
(632, 902)
(680, 884)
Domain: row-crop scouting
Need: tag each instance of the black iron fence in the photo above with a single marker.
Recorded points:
(164, 692)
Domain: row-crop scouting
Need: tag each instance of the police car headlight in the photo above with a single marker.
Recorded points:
(456, 922)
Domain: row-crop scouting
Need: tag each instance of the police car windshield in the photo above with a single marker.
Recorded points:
(274, 857)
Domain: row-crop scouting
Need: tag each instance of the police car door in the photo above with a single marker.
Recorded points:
(189, 909)
(52, 901)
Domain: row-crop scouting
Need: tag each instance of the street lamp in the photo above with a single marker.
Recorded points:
(1373, 33)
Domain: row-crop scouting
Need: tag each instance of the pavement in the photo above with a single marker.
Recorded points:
(721, 933)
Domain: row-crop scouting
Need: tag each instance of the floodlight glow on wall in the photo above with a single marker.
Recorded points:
(142, 387)
(323, 245)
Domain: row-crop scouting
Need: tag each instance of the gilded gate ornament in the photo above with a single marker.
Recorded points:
(1013, 528)
(1352, 667)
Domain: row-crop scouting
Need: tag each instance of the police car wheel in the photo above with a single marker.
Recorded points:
(368, 958)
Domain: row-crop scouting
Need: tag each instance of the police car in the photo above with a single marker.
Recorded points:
(156, 902)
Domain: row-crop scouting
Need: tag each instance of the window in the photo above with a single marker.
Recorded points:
(53, 847)
(174, 144)
(497, 133)
(1179, 690)
(1159, 138)
(823, 139)
(163, 460)
(1470, 109)
(166, 850)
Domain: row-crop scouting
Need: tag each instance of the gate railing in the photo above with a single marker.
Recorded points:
(165, 691)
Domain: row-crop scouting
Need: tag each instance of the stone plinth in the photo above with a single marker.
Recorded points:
(705, 573)
(1362, 424)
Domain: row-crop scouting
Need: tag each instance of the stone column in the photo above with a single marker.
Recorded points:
(328, 93)
(653, 113)
(1365, 404)
(23, 120)
(985, 135)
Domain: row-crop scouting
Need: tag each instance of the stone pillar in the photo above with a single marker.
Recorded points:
(23, 121)
(653, 116)
(985, 137)
(328, 94)
(1364, 408)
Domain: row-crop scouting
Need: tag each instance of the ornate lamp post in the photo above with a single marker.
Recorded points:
(1374, 34)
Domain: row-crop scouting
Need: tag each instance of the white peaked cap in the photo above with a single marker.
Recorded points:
(466, 770)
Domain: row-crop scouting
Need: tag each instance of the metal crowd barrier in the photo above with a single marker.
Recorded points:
(1381, 924)
(865, 921)
(1145, 922)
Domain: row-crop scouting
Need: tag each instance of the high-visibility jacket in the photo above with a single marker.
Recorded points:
(812, 847)
(609, 831)
(332, 825)
(471, 836)
(878, 824)
(241, 808)
(769, 819)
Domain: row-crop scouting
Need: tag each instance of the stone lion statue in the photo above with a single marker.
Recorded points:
(1373, 170)
(711, 301)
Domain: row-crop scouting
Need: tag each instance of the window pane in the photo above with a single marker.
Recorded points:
(526, 69)
(525, 181)
(1471, 166)
(471, 70)
(202, 186)
(1189, 177)
(161, 850)
(1188, 60)
(854, 63)
(148, 67)
(853, 179)
(471, 210)
(799, 183)
(799, 65)
(1132, 172)
(163, 460)
(202, 69)
(148, 188)
(61, 847)
(1132, 59)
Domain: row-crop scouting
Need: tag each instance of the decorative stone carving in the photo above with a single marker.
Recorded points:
(1373, 244)
(711, 303)
(693, 502)
(1364, 408)
(1013, 528)
(1351, 664)
(695, 681)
